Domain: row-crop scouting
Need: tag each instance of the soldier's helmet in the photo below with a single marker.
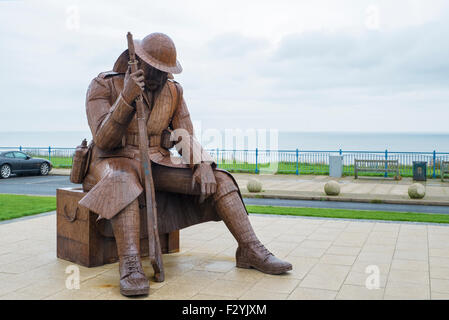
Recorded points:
(156, 49)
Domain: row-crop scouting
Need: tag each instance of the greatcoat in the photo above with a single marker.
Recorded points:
(113, 177)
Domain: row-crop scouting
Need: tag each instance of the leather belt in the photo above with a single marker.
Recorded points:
(133, 140)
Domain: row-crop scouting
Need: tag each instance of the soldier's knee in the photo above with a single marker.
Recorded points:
(225, 184)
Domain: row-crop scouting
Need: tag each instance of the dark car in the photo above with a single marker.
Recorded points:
(19, 162)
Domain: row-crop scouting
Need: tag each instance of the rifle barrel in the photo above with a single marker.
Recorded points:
(147, 177)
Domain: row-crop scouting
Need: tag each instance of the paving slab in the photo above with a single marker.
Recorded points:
(362, 260)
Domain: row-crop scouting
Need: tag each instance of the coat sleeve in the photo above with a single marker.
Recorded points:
(108, 123)
(187, 145)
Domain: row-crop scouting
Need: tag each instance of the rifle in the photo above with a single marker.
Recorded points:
(154, 247)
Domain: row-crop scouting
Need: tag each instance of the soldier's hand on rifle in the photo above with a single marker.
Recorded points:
(204, 176)
(133, 86)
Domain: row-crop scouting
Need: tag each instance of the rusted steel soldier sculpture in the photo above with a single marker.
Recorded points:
(188, 192)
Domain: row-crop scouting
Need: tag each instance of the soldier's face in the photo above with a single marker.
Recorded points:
(154, 78)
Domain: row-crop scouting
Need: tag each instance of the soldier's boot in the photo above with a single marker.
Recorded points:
(126, 227)
(251, 253)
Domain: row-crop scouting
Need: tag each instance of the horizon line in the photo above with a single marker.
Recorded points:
(296, 131)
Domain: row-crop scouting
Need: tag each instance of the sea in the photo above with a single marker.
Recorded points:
(286, 140)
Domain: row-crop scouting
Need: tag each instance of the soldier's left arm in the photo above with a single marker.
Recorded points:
(183, 128)
(108, 123)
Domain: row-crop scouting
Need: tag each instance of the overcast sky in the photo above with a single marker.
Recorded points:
(351, 65)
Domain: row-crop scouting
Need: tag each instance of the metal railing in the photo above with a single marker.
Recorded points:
(317, 161)
(278, 161)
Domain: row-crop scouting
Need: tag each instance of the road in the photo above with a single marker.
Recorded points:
(38, 185)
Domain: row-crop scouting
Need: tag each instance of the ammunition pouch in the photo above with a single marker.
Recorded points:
(166, 143)
(80, 163)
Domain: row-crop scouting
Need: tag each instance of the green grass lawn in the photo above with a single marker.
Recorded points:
(15, 206)
(60, 162)
(350, 214)
(312, 169)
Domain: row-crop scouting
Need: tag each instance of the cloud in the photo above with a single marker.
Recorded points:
(295, 65)
(415, 56)
(230, 45)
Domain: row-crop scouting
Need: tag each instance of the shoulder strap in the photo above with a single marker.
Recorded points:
(179, 90)
(176, 93)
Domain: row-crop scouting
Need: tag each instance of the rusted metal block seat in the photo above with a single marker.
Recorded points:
(90, 243)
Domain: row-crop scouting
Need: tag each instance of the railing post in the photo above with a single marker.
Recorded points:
(342, 163)
(257, 153)
(217, 158)
(297, 161)
(49, 153)
(386, 165)
(434, 163)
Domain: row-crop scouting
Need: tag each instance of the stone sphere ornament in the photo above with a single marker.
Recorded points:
(254, 185)
(332, 188)
(416, 191)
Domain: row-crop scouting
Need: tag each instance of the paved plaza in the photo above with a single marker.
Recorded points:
(363, 189)
(332, 259)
